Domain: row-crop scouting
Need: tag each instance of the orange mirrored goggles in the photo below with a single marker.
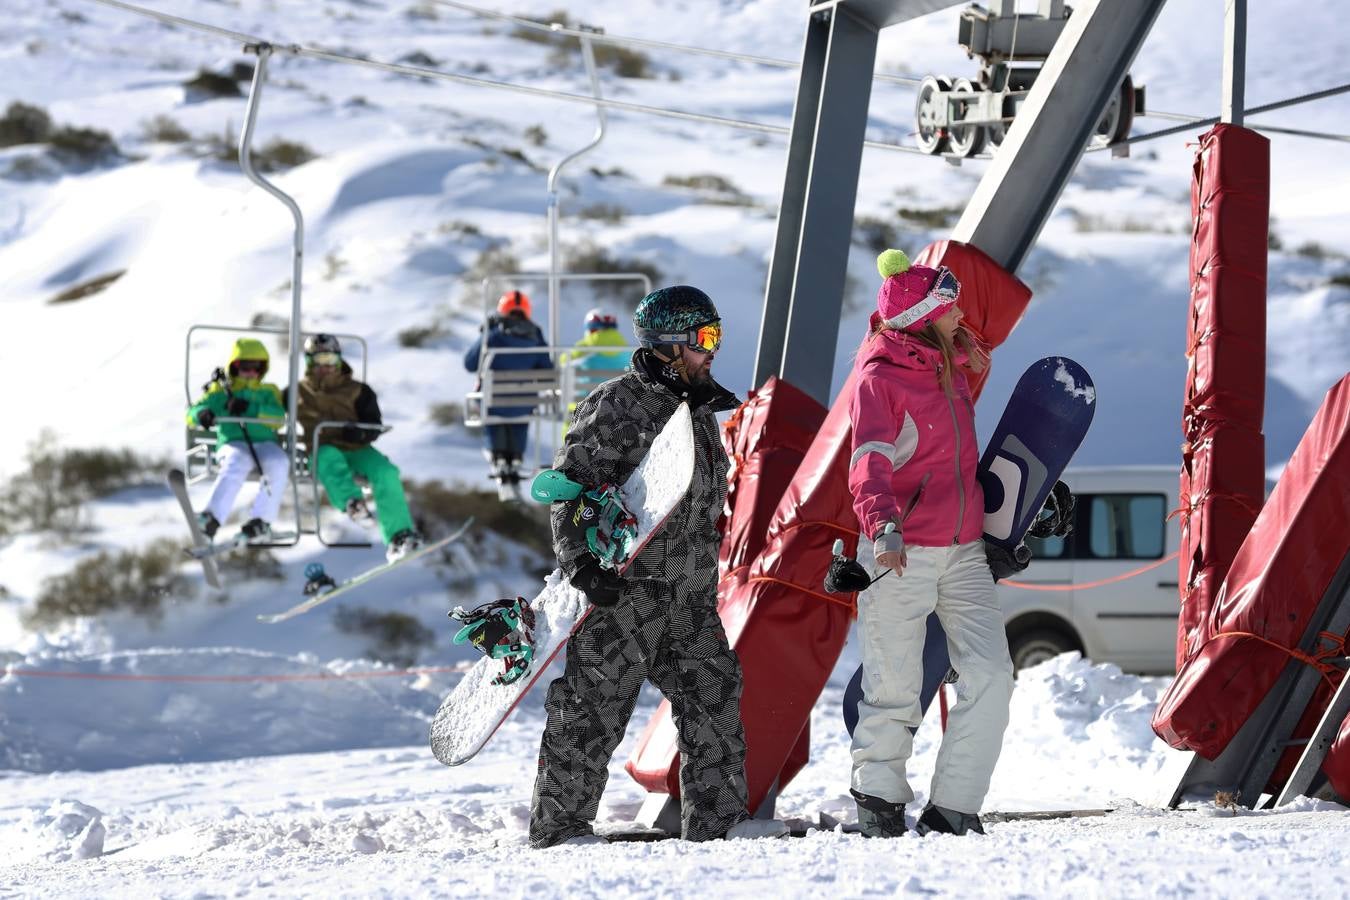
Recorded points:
(706, 338)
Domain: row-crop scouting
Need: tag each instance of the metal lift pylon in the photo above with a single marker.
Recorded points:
(804, 294)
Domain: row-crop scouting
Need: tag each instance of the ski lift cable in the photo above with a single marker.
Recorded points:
(169, 19)
(616, 40)
(423, 72)
(472, 81)
(1211, 120)
(1277, 129)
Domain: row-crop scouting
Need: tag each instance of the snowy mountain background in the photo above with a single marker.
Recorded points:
(419, 188)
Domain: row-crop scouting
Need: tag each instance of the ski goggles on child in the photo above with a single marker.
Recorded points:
(325, 358)
(249, 365)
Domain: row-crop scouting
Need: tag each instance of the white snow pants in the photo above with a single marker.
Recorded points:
(891, 621)
(235, 465)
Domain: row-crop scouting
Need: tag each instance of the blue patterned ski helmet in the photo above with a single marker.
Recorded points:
(668, 314)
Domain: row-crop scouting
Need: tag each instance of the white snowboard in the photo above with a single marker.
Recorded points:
(476, 707)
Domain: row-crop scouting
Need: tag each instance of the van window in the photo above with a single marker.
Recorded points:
(1048, 548)
(1123, 526)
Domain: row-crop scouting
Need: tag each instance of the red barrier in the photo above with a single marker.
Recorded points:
(786, 630)
(993, 301)
(1277, 579)
(769, 435)
(1222, 477)
(766, 439)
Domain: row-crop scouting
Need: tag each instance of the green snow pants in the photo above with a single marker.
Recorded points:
(337, 471)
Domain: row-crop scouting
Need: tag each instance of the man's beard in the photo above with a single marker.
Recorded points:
(702, 376)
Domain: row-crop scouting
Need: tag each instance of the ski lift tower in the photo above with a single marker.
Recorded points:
(1062, 109)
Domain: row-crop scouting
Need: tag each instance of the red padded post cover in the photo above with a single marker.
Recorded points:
(766, 439)
(1274, 584)
(993, 300)
(772, 648)
(786, 630)
(1223, 452)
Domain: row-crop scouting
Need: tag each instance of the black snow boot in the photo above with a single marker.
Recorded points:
(947, 821)
(208, 524)
(879, 818)
(256, 531)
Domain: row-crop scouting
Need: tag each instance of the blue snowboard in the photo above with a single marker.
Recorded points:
(1045, 420)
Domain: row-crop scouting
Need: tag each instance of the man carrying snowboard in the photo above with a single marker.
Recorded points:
(659, 621)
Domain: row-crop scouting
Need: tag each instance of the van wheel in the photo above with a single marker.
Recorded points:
(1034, 647)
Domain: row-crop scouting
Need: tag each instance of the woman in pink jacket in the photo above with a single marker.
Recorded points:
(912, 476)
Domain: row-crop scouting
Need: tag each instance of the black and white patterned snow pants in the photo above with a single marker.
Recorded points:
(665, 628)
(678, 643)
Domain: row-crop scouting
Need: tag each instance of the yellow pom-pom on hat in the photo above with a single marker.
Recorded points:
(892, 262)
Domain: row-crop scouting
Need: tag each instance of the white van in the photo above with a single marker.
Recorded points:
(1108, 590)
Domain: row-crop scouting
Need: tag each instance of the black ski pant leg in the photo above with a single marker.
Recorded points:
(700, 675)
(587, 710)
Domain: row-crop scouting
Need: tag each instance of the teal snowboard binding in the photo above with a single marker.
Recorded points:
(610, 530)
(503, 629)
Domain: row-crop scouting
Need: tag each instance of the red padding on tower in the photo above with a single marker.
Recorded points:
(993, 300)
(1280, 574)
(766, 439)
(1223, 452)
(786, 630)
(785, 645)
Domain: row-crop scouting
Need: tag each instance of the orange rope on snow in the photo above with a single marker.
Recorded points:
(1091, 584)
(228, 679)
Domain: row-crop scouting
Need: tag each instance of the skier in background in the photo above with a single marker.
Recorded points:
(915, 451)
(510, 327)
(238, 391)
(329, 393)
(659, 621)
(602, 330)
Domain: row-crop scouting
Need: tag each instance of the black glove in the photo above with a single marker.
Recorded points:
(600, 585)
(1055, 518)
(236, 406)
(1003, 563)
(846, 576)
(206, 418)
(353, 435)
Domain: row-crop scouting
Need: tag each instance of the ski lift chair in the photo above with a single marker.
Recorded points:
(200, 461)
(549, 392)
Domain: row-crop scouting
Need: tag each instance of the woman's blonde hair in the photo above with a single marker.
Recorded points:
(977, 357)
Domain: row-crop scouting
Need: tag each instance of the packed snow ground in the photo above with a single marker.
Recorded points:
(289, 781)
(392, 822)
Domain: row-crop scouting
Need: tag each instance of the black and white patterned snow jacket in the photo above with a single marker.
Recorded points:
(610, 434)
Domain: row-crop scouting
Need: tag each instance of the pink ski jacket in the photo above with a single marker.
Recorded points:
(914, 448)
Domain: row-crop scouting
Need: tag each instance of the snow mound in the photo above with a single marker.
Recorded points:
(59, 711)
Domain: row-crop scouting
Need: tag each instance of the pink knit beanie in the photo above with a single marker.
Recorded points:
(913, 296)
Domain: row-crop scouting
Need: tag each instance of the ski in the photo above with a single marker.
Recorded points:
(237, 542)
(322, 593)
(177, 481)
